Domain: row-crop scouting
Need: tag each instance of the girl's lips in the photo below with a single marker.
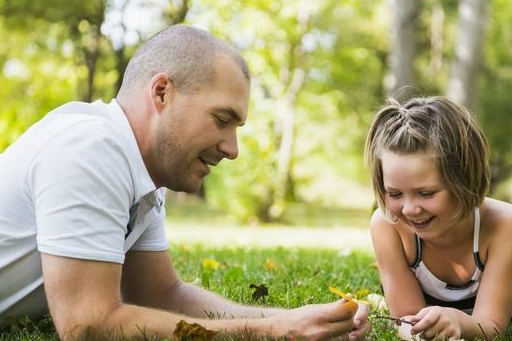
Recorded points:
(421, 224)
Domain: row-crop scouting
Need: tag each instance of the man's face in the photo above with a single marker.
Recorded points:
(198, 130)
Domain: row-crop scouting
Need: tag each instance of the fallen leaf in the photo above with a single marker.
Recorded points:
(192, 332)
(362, 293)
(348, 296)
(259, 291)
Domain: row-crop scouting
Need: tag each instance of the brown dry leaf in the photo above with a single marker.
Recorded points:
(192, 332)
(259, 291)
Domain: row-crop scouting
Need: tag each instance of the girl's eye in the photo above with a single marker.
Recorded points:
(426, 194)
(394, 195)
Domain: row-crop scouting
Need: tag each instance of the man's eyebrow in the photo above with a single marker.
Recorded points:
(233, 114)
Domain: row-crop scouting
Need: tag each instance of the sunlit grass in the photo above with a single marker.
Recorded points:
(297, 277)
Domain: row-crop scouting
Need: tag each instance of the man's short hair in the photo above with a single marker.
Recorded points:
(185, 53)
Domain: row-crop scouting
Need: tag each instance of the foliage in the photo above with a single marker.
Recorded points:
(341, 46)
(332, 109)
(494, 111)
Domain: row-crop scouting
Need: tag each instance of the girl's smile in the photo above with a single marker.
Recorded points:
(415, 193)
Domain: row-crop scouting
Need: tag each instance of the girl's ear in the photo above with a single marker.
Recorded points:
(162, 89)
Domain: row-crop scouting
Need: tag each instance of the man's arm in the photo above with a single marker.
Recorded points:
(143, 270)
(85, 296)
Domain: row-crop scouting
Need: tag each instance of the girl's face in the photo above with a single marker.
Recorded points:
(416, 194)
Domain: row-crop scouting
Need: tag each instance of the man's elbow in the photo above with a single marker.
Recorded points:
(88, 325)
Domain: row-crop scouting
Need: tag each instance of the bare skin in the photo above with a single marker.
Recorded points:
(415, 195)
(180, 137)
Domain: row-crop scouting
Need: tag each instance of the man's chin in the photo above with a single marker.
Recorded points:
(189, 187)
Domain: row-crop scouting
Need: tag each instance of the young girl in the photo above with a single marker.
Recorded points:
(444, 250)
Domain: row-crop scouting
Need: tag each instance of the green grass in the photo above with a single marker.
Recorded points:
(300, 276)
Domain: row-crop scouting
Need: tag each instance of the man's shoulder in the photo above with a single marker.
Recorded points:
(77, 124)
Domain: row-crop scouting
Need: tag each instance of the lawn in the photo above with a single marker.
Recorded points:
(293, 277)
(334, 250)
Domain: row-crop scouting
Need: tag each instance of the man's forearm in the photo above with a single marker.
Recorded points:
(194, 301)
(128, 322)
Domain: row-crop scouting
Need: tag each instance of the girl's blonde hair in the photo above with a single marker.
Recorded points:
(442, 129)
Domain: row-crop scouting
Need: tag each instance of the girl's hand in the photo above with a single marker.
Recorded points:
(437, 323)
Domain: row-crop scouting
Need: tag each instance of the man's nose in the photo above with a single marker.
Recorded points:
(229, 146)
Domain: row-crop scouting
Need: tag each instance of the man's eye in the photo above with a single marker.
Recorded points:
(221, 122)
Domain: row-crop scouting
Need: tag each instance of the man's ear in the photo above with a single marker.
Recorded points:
(162, 89)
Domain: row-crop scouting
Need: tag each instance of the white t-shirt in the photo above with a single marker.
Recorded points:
(73, 185)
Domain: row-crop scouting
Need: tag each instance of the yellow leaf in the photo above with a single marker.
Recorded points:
(209, 263)
(269, 264)
(336, 291)
(348, 296)
(363, 292)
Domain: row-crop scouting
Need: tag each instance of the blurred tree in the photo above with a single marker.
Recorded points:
(403, 51)
(315, 83)
(468, 52)
(494, 89)
(66, 39)
(318, 70)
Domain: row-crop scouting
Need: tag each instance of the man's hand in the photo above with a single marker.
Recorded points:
(320, 322)
(361, 324)
(437, 323)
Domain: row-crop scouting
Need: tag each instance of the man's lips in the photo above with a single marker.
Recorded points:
(209, 162)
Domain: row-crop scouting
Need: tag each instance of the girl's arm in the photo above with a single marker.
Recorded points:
(401, 289)
(493, 305)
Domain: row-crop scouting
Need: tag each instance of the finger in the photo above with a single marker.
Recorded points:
(434, 332)
(426, 322)
(342, 310)
(420, 315)
(360, 332)
(341, 327)
(361, 315)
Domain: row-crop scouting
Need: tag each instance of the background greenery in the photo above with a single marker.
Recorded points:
(319, 69)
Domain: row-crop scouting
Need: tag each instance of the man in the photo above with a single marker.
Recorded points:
(81, 203)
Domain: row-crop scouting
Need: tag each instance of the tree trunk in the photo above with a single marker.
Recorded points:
(468, 52)
(403, 49)
(287, 106)
(436, 40)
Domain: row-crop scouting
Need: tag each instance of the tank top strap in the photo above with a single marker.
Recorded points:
(418, 257)
(476, 239)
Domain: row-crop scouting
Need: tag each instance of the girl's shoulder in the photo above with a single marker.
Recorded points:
(496, 220)
(393, 241)
(382, 225)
